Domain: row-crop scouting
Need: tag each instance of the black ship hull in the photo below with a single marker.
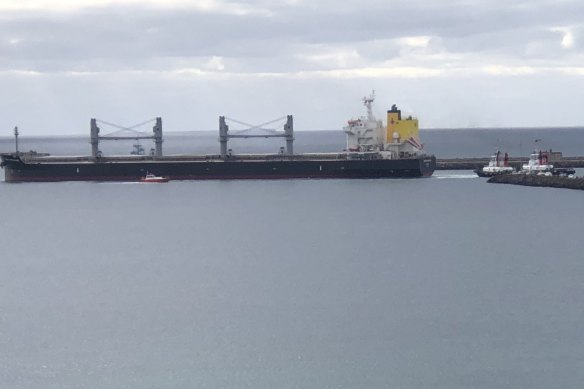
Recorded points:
(17, 170)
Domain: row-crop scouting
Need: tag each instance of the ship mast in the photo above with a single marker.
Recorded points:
(368, 102)
(16, 138)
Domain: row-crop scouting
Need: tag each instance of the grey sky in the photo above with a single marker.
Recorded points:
(452, 63)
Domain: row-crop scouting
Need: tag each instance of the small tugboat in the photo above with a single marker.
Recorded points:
(153, 178)
(496, 166)
(538, 164)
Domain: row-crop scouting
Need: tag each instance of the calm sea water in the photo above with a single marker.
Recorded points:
(445, 282)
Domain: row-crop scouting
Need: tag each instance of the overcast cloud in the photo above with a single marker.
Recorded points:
(453, 63)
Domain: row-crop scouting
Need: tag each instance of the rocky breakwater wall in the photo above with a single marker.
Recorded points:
(476, 163)
(539, 180)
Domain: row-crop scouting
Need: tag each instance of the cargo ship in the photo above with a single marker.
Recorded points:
(374, 150)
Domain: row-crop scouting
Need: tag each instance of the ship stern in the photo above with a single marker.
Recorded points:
(427, 165)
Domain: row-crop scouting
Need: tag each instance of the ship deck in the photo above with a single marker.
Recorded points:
(441, 163)
(182, 158)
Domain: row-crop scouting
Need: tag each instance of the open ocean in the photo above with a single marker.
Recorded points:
(444, 282)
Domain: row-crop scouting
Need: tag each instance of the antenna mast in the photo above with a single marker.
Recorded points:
(368, 102)
(16, 138)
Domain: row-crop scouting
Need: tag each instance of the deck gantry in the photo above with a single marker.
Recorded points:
(288, 133)
(96, 138)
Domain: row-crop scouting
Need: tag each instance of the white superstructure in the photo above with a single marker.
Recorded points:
(498, 165)
(538, 163)
(365, 133)
(399, 138)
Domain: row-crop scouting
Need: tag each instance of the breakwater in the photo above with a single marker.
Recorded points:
(539, 180)
(476, 163)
